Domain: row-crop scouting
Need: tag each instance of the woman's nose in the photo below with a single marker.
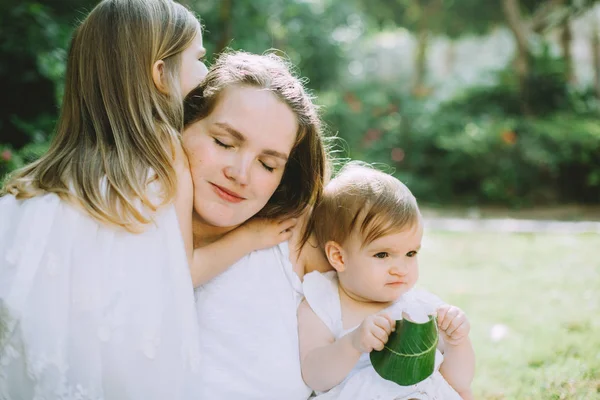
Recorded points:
(239, 171)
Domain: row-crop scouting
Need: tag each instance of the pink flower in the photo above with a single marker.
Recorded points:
(6, 155)
(397, 154)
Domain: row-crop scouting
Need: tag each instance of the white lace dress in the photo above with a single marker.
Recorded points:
(363, 382)
(91, 312)
(249, 330)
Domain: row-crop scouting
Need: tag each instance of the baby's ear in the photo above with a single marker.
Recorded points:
(335, 255)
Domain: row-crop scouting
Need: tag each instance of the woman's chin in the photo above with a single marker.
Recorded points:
(219, 217)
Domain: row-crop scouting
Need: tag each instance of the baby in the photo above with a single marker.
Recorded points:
(370, 228)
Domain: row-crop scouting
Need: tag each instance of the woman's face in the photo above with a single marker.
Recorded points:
(238, 154)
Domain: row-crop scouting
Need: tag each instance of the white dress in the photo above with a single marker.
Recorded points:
(363, 382)
(88, 311)
(249, 330)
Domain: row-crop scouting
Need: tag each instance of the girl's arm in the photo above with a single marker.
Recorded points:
(213, 259)
(184, 200)
(306, 257)
(325, 361)
(458, 367)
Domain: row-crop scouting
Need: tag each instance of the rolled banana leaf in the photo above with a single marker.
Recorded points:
(409, 355)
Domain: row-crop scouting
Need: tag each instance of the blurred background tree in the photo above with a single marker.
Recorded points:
(469, 102)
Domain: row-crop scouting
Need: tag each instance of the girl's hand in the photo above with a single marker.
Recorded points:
(453, 324)
(373, 333)
(264, 233)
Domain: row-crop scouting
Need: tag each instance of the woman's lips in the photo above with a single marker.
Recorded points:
(227, 195)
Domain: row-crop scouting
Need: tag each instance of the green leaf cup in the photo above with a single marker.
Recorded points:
(409, 355)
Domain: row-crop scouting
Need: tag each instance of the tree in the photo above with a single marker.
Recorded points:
(33, 42)
(425, 18)
(302, 30)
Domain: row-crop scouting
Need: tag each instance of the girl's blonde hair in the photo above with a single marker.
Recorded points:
(116, 130)
(363, 200)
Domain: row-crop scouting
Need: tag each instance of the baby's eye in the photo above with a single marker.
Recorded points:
(411, 254)
(382, 254)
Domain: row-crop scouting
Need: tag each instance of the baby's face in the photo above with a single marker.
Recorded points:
(384, 269)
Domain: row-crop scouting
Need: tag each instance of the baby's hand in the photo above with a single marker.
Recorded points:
(453, 324)
(264, 233)
(373, 333)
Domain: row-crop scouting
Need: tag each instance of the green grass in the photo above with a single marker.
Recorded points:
(544, 288)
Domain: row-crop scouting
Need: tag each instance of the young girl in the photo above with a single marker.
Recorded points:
(96, 299)
(370, 229)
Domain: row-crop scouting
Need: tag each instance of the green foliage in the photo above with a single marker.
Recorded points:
(33, 45)
(478, 148)
(453, 18)
(302, 30)
(546, 91)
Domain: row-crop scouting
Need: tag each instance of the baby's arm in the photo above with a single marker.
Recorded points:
(325, 361)
(458, 367)
(213, 259)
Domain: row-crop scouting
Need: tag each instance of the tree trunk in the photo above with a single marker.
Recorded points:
(226, 24)
(512, 11)
(596, 58)
(421, 63)
(450, 59)
(427, 12)
(566, 38)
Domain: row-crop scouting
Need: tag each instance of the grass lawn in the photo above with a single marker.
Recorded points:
(534, 306)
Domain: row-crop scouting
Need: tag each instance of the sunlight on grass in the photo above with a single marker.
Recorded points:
(533, 302)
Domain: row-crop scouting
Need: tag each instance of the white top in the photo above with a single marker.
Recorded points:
(249, 330)
(89, 311)
(321, 291)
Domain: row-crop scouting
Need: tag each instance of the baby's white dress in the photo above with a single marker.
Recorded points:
(363, 382)
(249, 330)
(88, 311)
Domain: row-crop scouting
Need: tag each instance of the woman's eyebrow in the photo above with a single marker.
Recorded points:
(232, 131)
(275, 154)
(237, 135)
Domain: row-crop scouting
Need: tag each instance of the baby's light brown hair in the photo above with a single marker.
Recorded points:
(364, 200)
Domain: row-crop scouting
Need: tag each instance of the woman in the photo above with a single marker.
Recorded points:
(254, 141)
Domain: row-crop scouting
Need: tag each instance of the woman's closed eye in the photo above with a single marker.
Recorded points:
(224, 145)
(382, 254)
(267, 167)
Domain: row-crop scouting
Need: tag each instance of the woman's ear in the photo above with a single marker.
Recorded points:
(335, 255)
(158, 76)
